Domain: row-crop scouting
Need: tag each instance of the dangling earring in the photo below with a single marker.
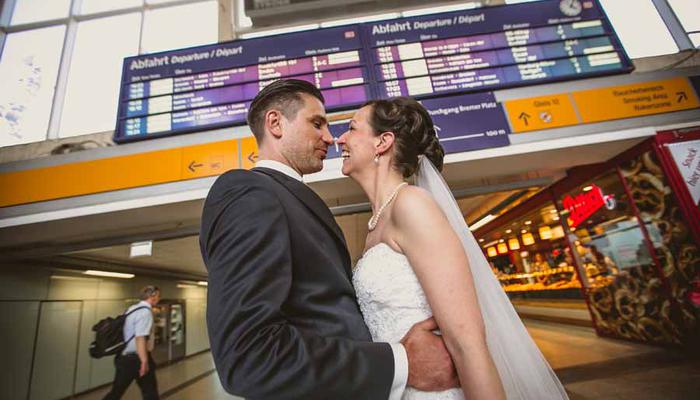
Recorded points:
(376, 158)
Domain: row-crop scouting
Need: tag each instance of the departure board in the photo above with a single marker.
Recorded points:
(493, 48)
(212, 86)
(477, 50)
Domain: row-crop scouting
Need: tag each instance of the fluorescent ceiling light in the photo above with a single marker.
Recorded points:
(202, 283)
(357, 20)
(478, 224)
(440, 9)
(186, 286)
(278, 31)
(72, 278)
(141, 249)
(108, 274)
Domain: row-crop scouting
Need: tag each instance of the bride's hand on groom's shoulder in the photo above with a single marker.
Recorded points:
(430, 367)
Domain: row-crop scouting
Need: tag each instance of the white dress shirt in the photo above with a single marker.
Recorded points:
(400, 357)
(139, 323)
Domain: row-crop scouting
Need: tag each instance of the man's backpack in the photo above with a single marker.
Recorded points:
(109, 336)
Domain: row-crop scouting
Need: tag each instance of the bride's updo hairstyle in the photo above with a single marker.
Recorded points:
(413, 131)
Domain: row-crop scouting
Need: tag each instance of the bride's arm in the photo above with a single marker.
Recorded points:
(436, 254)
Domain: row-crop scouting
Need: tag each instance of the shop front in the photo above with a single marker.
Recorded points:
(621, 237)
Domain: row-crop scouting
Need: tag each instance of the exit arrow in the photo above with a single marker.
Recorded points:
(252, 157)
(524, 116)
(193, 165)
(682, 96)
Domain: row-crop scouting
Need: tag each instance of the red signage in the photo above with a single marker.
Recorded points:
(586, 204)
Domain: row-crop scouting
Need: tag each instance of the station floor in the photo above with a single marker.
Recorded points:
(589, 366)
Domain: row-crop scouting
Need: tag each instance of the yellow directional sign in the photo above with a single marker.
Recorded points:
(209, 159)
(116, 173)
(249, 152)
(543, 112)
(636, 100)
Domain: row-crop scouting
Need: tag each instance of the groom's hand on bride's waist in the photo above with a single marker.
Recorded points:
(430, 367)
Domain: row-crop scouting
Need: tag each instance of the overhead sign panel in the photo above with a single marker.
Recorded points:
(476, 50)
(636, 100)
(468, 122)
(544, 112)
(211, 86)
(492, 48)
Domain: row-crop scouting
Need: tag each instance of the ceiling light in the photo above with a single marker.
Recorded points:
(202, 283)
(528, 239)
(108, 274)
(481, 240)
(141, 249)
(492, 252)
(502, 248)
(186, 286)
(523, 231)
(513, 244)
(509, 231)
(72, 278)
(478, 224)
(588, 188)
(545, 232)
(528, 222)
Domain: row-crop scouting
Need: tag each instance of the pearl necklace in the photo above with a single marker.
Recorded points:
(372, 223)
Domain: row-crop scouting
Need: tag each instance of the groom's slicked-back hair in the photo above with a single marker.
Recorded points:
(283, 95)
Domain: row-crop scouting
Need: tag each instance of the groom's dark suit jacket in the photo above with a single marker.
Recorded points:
(282, 313)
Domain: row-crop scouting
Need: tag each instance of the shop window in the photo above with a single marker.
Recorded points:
(688, 13)
(642, 31)
(695, 38)
(530, 257)
(28, 71)
(60, 65)
(159, 1)
(242, 20)
(163, 27)
(675, 248)
(624, 290)
(93, 83)
(29, 11)
(96, 6)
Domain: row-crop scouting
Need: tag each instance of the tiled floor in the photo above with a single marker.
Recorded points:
(171, 379)
(589, 366)
(605, 369)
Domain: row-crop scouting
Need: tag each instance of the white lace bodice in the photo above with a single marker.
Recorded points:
(392, 300)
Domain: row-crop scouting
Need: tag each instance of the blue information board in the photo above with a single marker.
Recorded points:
(424, 57)
(468, 122)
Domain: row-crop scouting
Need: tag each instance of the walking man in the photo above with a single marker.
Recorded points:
(135, 361)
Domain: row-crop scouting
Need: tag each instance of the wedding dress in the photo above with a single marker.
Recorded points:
(392, 300)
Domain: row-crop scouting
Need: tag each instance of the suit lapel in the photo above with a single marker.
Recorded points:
(312, 202)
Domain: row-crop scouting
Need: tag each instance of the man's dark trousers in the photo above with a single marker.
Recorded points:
(127, 367)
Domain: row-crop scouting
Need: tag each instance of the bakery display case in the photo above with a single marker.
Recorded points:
(530, 257)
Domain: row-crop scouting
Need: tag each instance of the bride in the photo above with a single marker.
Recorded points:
(421, 260)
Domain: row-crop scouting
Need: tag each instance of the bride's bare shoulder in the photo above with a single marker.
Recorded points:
(413, 205)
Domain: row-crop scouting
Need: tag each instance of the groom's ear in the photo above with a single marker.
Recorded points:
(386, 140)
(273, 123)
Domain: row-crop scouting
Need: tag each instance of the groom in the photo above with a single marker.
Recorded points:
(282, 315)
